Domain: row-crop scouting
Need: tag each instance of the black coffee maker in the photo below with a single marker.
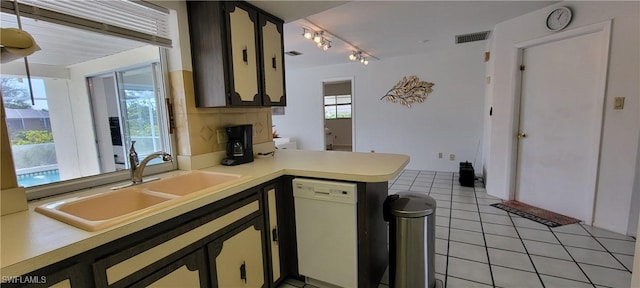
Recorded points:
(239, 145)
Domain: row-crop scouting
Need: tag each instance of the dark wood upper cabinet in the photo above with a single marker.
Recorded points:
(237, 53)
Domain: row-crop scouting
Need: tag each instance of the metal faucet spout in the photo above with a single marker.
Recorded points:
(137, 171)
(137, 168)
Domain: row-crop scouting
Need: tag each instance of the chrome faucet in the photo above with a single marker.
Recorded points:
(137, 168)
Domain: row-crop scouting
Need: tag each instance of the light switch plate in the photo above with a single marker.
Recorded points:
(452, 157)
(618, 103)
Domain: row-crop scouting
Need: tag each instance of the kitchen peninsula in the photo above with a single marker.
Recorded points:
(36, 245)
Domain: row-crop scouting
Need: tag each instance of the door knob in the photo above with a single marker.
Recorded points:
(522, 135)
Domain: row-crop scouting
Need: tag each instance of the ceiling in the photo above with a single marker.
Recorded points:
(384, 29)
(62, 45)
(387, 29)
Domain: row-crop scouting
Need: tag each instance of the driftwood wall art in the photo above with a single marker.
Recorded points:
(408, 91)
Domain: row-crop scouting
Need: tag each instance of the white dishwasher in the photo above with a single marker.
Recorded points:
(326, 231)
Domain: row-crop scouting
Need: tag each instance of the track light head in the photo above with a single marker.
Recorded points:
(317, 37)
(326, 45)
(306, 33)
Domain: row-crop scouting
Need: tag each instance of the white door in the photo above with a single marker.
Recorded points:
(560, 116)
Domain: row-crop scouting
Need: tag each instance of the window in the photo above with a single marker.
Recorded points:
(337, 106)
(92, 99)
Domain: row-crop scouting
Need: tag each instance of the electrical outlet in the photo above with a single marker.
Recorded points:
(452, 157)
(221, 135)
(440, 155)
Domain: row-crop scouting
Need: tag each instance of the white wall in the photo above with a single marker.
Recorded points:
(449, 121)
(620, 127)
(634, 212)
(60, 114)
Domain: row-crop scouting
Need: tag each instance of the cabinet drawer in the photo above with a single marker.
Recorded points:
(132, 264)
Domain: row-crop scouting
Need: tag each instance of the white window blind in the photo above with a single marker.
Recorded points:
(136, 20)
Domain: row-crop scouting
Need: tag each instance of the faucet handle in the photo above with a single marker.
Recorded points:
(133, 155)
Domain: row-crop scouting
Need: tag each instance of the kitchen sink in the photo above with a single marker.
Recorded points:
(193, 182)
(106, 209)
(96, 212)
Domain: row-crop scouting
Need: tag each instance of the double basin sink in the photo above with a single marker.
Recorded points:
(103, 210)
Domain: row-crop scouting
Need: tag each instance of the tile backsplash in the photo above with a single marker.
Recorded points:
(196, 128)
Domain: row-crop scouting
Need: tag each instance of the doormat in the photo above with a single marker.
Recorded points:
(539, 215)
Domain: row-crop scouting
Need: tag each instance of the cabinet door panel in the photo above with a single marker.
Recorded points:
(243, 53)
(239, 263)
(188, 271)
(273, 63)
(182, 277)
(273, 229)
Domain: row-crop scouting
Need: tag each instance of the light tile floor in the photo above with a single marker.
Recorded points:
(478, 245)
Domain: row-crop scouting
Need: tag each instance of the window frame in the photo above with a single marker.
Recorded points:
(338, 104)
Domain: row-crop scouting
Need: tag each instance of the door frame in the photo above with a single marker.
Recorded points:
(516, 82)
(353, 110)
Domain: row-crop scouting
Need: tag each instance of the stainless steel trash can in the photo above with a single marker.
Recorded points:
(411, 218)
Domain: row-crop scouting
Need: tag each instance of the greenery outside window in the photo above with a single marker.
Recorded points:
(29, 129)
(337, 107)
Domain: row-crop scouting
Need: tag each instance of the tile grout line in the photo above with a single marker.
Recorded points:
(469, 280)
(446, 269)
(574, 259)
(486, 247)
(527, 251)
(531, 240)
(605, 248)
(517, 269)
(542, 256)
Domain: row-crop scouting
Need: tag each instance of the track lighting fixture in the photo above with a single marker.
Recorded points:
(317, 37)
(357, 56)
(325, 44)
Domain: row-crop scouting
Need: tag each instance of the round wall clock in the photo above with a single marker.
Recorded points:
(559, 18)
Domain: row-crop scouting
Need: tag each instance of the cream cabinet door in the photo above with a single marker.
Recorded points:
(239, 263)
(273, 64)
(244, 55)
(273, 229)
(181, 277)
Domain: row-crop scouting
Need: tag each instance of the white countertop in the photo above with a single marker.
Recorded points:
(30, 240)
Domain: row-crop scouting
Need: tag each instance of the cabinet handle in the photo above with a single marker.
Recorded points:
(244, 55)
(273, 62)
(243, 272)
(274, 235)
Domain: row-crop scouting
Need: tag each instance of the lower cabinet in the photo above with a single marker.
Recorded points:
(234, 242)
(236, 258)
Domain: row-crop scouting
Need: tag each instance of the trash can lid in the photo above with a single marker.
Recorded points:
(412, 205)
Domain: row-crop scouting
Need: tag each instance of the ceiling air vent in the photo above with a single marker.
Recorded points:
(293, 53)
(471, 37)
